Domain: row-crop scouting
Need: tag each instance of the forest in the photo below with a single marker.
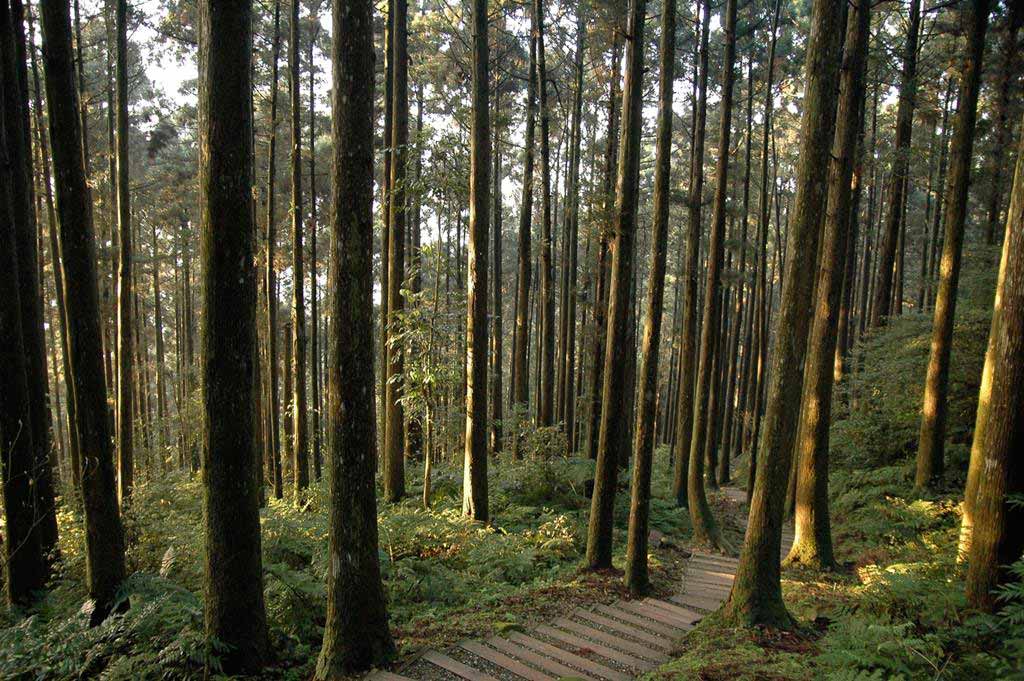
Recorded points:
(504, 340)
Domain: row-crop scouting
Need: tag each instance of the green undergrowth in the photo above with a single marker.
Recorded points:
(896, 608)
(446, 578)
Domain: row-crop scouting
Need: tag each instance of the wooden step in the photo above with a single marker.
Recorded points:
(657, 614)
(688, 616)
(566, 657)
(667, 631)
(456, 667)
(530, 657)
(504, 661)
(650, 638)
(638, 649)
(580, 646)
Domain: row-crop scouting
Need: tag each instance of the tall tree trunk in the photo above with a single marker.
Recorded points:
(474, 481)
(25, 569)
(233, 592)
(705, 530)
(163, 435)
(271, 276)
(1007, 75)
(19, 147)
(394, 436)
(300, 448)
(567, 323)
(614, 400)
(995, 471)
(937, 214)
(813, 543)
(521, 337)
(759, 342)
(756, 596)
(125, 461)
(688, 343)
(104, 539)
(356, 635)
(495, 404)
(933, 419)
(314, 364)
(546, 392)
(637, 578)
(601, 268)
(884, 283)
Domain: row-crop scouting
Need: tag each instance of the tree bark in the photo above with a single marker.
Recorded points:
(104, 540)
(474, 482)
(887, 261)
(271, 276)
(933, 419)
(637, 578)
(615, 401)
(356, 635)
(125, 455)
(19, 147)
(705, 529)
(813, 543)
(546, 392)
(995, 470)
(233, 593)
(24, 562)
(688, 343)
(394, 435)
(300, 448)
(756, 596)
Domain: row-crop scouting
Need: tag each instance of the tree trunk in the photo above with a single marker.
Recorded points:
(235, 613)
(271, 277)
(546, 392)
(104, 540)
(637, 578)
(995, 471)
(24, 561)
(705, 530)
(496, 434)
(300, 449)
(125, 462)
(521, 336)
(314, 364)
(615, 401)
(688, 343)
(756, 596)
(933, 420)
(1007, 75)
(884, 282)
(394, 436)
(474, 481)
(356, 635)
(19, 147)
(813, 543)
(601, 268)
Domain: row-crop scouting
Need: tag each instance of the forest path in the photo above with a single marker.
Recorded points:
(613, 642)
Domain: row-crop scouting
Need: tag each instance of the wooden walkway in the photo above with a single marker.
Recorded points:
(615, 642)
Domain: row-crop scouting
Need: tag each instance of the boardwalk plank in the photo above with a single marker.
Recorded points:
(579, 644)
(687, 615)
(527, 655)
(662, 642)
(670, 632)
(456, 667)
(694, 601)
(567, 657)
(656, 614)
(385, 675)
(504, 661)
(646, 652)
